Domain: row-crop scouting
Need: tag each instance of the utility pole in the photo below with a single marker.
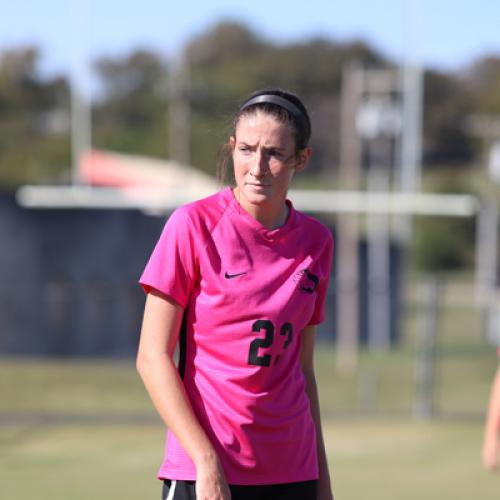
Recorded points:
(426, 343)
(180, 109)
(408, 176)
(348, 225)
(487, 128)
(81, 98)
(379, 124)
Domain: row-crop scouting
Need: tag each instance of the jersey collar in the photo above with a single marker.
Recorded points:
(245, 217)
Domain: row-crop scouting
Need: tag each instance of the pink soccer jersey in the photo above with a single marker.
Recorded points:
(248, 292)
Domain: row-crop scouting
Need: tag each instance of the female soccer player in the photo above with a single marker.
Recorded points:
(238, 281)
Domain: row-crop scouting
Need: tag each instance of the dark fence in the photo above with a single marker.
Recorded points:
(68, 279)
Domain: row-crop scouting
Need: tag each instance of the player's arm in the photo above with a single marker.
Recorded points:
(155, 364)
(490, 446)
(307, 360)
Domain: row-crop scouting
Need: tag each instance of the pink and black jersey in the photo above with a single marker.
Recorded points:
(248, 292)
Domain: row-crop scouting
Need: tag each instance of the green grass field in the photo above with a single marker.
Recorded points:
(381, 459)
(86, 429)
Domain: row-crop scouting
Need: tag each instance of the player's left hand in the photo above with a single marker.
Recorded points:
(490, 455)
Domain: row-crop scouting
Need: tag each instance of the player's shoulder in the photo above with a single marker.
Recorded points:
(315, 227)
(204, 211)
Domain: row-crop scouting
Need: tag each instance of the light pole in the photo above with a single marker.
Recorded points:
(81, 125)
(379, 124)
(179, 109)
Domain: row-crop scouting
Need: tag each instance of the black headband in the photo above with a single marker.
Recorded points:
(295, 111)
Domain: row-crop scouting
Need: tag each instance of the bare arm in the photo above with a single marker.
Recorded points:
(159, 335)
(490, 446)
(307, 361)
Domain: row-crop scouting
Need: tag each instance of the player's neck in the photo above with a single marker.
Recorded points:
(271, 217)
(275, 222)
(272, 214)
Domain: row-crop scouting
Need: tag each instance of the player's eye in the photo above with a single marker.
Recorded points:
(275, 154)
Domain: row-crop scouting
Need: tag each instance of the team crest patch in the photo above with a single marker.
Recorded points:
(306, 280)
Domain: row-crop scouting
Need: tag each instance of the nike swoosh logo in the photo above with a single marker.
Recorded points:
(231, 276)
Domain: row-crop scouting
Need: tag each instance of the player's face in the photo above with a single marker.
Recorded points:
(265, 159)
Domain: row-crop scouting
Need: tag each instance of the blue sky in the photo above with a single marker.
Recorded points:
(442, 33)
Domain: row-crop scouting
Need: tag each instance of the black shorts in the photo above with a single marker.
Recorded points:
(185, 490)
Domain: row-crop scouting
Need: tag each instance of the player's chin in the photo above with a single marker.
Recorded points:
(258, 193)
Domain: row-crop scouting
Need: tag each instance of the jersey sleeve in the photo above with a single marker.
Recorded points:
(172, 267)
(322, 290)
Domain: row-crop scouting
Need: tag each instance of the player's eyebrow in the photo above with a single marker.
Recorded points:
(271, 147)
(245, 143)
(274, 148)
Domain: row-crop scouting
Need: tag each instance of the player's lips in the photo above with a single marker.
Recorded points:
(253, 184)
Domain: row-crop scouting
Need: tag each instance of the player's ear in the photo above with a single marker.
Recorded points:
(303, 157)
(232, 143)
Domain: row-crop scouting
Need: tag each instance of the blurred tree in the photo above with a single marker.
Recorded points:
(483, 79)
(34, 121)
(447, 104)
(130, 114)
(444, 243)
